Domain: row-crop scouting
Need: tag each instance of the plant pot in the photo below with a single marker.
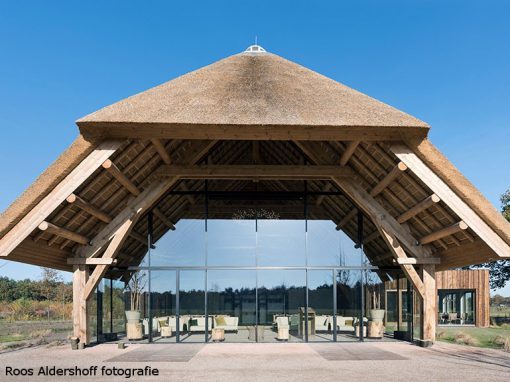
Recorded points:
(377, 315)
(133, 316)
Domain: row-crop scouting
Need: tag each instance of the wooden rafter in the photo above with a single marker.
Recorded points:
(417, 208)
(140, 204)
(349, 150)
(89, 208)
(54, 198)
(161, 149)
(448, 231)
(371, 207)
(62, 232)
(114, 171)
(457, 205)
(390, 177)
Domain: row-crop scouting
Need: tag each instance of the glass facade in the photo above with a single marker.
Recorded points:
(237, 272)
(456, 307)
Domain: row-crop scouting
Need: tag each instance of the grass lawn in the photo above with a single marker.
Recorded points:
(12, 338)
(493, 337)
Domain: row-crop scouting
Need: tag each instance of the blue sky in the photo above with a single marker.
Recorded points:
(445, 62)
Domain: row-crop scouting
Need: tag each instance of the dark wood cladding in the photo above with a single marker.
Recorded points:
(477, 280)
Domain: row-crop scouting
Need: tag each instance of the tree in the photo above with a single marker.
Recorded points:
(500, 270)
(50, 281)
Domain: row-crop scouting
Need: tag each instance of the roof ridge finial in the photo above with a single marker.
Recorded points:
(256, 40)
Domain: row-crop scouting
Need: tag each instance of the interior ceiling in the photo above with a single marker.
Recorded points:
(138, 160)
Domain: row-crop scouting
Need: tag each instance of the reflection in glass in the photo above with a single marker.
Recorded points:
(192, 306)
(456, 307)
(323, 245)
(185, 246)
(281, 242)
(348, 305)
(231, 242)
(375, 301)
(281, 305)
(138, 326)
(231, 298)
(163, 306)
(320, 305)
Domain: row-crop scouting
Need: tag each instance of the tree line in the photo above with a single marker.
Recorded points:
(51, 287)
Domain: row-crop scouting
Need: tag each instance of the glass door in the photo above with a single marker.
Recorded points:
(191, 302)
(321, 320)
(231, 296)
(281, 305)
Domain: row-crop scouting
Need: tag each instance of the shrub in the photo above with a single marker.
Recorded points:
(465, 339)
(506, 345)
(498, 340)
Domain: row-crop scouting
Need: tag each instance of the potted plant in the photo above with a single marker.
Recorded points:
(376, 313)
(135, 287)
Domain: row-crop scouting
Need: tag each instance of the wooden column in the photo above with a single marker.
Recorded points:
(429, 310)
(80, 305)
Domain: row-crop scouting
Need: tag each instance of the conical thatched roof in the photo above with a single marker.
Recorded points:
(253, 89)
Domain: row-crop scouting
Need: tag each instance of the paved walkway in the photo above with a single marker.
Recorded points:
(273, 362)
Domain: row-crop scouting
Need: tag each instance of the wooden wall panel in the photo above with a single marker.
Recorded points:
(477, 280)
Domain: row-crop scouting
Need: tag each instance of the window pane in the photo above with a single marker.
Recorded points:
(231, 304)
(185, 246)
(163, 306)
(348, 305)
(231, 242)
(281, 302)
(323, 243)
(281, 242)
(320, 308)
(192, 306)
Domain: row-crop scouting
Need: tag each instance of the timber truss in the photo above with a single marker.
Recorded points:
(90, 223)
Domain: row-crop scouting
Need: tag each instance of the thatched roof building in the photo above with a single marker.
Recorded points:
(258, 110)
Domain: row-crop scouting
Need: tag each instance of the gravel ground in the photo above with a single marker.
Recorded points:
(272, 362)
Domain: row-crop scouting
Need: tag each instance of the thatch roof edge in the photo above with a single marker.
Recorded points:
(48, 180)
(462, 186)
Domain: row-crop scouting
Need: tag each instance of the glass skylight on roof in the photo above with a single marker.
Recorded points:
(255, 49)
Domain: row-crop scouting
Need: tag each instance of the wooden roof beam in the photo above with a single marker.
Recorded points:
(454, 228)
(248, 172)
(90, 261)
(371, 237)
(371, 207)
(390, 177)
(349, 150)
(110, 253)
(161, 216)
(399, 253)
(138, 237)
(143, 202)
(320, 198)
(89, 208)
(161, 149)
(452, 200)
(415, 261)
(249, 132)
(54, 198)
(62, 232)
(347, 218)
(114, 171)
(420, 207)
